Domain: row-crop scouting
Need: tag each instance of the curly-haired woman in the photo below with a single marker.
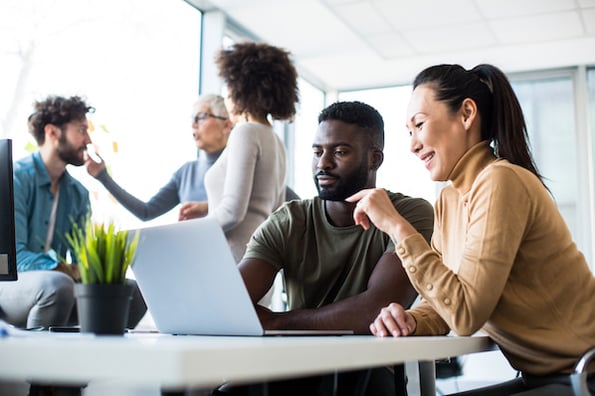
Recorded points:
(247, 182)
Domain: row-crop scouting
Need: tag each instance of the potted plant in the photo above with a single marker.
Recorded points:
(103, 254)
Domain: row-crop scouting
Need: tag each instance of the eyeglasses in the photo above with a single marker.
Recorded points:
(201, 116)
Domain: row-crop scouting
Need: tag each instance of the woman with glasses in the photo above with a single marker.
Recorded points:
(247, 182)
(210, 128)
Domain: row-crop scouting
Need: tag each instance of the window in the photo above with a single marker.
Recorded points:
(137, 62)
(401, 171)
(591, 90)
(549, 107)
(305, 126)
(591, 137)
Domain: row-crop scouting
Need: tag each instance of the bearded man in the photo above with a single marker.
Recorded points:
(336, 275)
(48, 201)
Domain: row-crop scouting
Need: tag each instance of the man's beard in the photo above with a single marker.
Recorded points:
(345, 186)
(68, 153)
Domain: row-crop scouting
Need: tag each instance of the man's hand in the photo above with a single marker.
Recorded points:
(193, 210)
(393, 320)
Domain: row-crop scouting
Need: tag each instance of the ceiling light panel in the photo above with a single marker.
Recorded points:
(586, 3)
(451, 38)
(362, 17)
(424, 14)
(538, 28)
(493, 9)
(390, 45)
(589, 20)
(308, 29)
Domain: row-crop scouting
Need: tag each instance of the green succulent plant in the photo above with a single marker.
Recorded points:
(102, 252)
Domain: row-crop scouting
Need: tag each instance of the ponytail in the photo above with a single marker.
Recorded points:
(507, 128)
(502, 120)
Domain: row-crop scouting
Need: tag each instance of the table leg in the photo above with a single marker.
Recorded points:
(427, 378)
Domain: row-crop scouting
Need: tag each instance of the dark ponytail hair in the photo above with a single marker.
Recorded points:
(502, 120)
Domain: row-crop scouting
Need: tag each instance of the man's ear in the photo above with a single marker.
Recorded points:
(469, 112)
(377, 158)
(52, 132)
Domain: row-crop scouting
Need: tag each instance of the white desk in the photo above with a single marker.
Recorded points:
(195, 362)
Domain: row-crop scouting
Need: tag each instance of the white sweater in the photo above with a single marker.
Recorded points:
(247, 183)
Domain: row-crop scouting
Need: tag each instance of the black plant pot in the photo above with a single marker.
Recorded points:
(103, 308)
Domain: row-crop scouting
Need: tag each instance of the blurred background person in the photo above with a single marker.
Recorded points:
(247, 182)
(48, 201)
(210, 129)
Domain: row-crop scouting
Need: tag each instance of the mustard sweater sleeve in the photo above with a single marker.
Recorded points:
(483, 230)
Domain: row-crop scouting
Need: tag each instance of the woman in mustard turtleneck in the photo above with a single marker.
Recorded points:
(502, 259)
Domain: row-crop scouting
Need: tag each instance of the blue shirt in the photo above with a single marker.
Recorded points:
(33, 202)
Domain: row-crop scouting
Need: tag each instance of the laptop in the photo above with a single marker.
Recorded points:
(192, 285)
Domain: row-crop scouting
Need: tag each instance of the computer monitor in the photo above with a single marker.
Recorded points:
(8, 255)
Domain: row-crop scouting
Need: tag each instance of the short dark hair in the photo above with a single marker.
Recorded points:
(360, 114)
(58, 111)
(261, 79)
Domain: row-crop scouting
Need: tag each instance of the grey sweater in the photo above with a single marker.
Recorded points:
(247, 183)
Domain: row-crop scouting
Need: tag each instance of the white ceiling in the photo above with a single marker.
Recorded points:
(346, 44)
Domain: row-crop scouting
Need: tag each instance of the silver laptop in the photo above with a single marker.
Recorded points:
(191, 284)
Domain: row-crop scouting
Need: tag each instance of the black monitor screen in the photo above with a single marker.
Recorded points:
(8, 257)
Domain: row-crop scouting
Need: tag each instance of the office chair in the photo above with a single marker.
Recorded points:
(578, 380)
(579, 377)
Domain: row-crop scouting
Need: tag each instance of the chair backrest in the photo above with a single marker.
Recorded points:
(578, 379)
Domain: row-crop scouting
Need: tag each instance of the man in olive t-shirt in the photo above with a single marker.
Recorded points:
(337, 275)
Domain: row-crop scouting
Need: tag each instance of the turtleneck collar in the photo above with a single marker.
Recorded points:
(210, 157)
(470, 165)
